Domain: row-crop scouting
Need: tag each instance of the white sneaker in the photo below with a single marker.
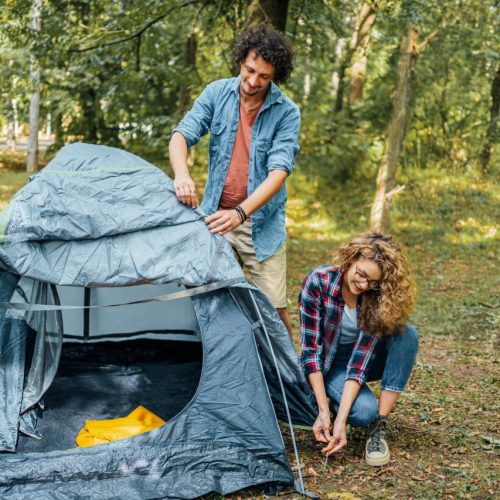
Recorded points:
(377, 451)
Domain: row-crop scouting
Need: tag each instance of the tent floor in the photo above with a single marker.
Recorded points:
(109, 380)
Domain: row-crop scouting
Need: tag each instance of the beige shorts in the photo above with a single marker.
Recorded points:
(268, 275)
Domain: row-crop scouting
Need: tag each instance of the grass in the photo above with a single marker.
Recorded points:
(447, 439)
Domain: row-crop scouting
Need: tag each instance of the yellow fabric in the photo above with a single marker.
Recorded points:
(104, 431)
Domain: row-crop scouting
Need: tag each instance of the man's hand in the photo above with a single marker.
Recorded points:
(185, 190)
(338, 440)
(223, 221)
(321, 427)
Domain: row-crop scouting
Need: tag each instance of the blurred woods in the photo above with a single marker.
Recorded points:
(381, 84)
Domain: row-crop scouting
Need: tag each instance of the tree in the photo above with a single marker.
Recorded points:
(386, 178)
(366, 19)
(272, 11)
(32, 160)
(189, 68)
(491, 133)
(11, 124)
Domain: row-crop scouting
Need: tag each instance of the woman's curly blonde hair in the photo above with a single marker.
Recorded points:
(385, 310)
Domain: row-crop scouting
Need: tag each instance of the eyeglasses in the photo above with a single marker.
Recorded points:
(363, 278)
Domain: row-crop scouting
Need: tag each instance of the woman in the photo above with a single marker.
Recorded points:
(352, 318)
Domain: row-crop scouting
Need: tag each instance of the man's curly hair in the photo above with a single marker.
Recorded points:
(383, 311)
(268, 43)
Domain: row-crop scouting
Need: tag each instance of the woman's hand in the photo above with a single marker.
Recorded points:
(321, 427)
(338, 440)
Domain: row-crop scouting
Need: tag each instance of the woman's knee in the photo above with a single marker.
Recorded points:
(363, 412)
(406, 341)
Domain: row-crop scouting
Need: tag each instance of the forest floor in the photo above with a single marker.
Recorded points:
(447, 421)
(447, 437)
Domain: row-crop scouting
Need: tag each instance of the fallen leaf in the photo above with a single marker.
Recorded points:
(311, 472)
(342, 496)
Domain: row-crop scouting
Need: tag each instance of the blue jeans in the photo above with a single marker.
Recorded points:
(393, 365)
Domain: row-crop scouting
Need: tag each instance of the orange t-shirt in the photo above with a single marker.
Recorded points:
(236, 185)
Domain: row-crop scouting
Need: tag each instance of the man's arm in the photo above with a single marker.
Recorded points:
(194, 125)
(223, 221)
(184, 186)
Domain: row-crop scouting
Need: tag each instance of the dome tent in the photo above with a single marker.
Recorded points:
(102, 270)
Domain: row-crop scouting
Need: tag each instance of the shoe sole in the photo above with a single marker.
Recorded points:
(378, 462)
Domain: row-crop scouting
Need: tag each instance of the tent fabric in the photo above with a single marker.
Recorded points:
(100, 217)
(12, 357)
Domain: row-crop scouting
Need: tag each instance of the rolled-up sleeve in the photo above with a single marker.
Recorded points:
(197, 120)
(362, 356)
(310, 307)
(285, 146)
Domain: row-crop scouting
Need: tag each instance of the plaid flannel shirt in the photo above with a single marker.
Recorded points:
(321, 307)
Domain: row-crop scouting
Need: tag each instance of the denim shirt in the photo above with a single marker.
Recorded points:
(273, 146)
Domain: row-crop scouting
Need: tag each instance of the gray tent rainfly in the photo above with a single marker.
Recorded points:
(113, 295)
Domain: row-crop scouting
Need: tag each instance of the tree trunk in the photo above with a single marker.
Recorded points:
(339, 99)
(189, 67)
(307, 75)
(11, 136)
(32, 161)
(58, 131)
(345, 52)
(339, 51)
(491, 134)
(365, 22)
(272, 11)
(11, 126)
(89, 110)
(48, 125)
(16, 117)
(386, 179)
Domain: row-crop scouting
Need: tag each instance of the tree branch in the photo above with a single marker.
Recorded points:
(393, 192)
(425, 41)
(140, 31)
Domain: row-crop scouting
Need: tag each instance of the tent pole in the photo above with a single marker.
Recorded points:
(289, 418)
(86, 314)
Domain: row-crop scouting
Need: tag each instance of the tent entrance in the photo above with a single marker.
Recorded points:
(102, 362)
(109, 380)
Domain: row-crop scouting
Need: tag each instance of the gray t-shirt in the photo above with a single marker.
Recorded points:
(349, 325)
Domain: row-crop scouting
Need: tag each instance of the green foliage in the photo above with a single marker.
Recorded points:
(102, 82)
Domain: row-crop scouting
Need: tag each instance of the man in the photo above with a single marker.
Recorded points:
(254, 129)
